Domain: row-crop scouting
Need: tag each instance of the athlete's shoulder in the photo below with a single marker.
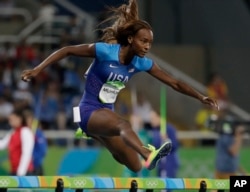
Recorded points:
(106, 50)
(143, 63)
(102, 45)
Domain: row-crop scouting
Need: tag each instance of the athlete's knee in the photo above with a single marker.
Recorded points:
(124, 126)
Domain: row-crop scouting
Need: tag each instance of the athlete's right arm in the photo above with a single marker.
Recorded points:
(83, 50)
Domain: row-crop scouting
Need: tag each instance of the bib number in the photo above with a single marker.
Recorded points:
(110, 90)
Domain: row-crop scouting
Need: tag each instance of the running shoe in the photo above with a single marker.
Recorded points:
(80, 134)
(156, 155)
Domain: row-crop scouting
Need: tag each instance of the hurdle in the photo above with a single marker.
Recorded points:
(79, 183)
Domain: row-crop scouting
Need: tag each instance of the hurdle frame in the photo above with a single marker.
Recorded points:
(59, 183)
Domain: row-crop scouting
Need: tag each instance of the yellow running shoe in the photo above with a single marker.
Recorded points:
(156, 155)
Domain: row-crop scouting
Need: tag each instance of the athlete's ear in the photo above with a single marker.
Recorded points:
(130, 39)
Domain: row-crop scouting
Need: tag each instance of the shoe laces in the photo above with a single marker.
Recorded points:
(150, 147)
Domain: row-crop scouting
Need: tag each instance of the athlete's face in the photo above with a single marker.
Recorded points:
(141, 42)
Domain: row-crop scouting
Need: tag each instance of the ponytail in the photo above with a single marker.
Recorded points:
(121, 15)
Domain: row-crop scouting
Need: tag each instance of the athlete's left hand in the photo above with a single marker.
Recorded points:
(27, 75)
(211, 102)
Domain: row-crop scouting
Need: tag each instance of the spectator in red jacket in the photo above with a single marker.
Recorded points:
(19, 142)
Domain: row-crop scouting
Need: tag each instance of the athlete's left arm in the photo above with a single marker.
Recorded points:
(180, 86)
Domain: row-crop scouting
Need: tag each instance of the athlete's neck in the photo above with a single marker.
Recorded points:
(126, 55)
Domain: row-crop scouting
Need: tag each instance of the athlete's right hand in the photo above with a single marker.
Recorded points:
(27, 75)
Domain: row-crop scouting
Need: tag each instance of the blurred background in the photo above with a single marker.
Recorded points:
(202, 42)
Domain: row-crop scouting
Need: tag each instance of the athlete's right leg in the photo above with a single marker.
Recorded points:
(106, 123)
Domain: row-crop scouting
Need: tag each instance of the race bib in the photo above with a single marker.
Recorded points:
(110, 90)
